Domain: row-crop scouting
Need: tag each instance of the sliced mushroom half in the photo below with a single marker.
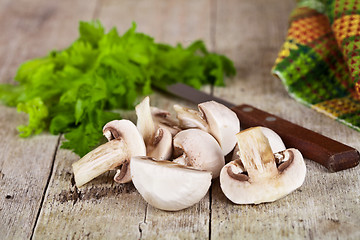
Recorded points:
(125, 141)
(260, 176)
(167, 185)
(200, 150)
(158, 139)
(213, 117)
(163, 119)
(276, 143)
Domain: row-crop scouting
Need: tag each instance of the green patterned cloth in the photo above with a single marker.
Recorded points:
(319, 62)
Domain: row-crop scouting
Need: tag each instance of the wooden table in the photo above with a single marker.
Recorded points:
(38, 198)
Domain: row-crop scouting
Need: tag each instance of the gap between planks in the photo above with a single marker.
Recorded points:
(143, 222)
(97, 10)
(213, 19)
(46, 187)
(94, 16)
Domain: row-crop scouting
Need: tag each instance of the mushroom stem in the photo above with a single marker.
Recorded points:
(263, 176)
(145, 122)
(104, 158)
(189, 118)
(256, 154)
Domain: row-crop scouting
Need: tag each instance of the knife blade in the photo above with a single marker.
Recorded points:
(333, 155)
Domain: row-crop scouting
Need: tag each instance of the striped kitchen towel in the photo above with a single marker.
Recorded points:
(319, 62)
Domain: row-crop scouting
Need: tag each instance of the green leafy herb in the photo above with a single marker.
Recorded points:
(73, 91)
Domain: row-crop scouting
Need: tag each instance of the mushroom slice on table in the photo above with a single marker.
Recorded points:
(259, 175)
(200, 150)
(214, 118)
(167, 185)
(158, 140)
(275, 141)
(125, 141)
(163, 119)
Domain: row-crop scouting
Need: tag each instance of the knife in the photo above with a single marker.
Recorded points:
(332, 154)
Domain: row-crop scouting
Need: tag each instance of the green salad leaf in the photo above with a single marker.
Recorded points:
(74, 91)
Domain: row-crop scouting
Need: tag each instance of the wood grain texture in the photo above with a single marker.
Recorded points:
(100, 209)
(36, 176)
(25, 166)
(119, 212)
(29, 29)
(327, 205)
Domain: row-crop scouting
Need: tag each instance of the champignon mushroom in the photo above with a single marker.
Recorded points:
(158, 140)
(260, 176)
(200, 150)
(125, 141)
(163, 119)
(167, 185)
(214, 118)
(276, 143)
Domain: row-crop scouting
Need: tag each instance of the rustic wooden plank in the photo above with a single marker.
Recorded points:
(25, 166)
(327, 205)
(167, 21)
(170, 22)
(182, 22)
(190, 223)
(28, 29)
(103, 209)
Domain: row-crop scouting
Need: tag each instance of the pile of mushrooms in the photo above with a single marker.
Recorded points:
(159, 152)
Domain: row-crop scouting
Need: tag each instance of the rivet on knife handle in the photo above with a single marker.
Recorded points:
(334, 155)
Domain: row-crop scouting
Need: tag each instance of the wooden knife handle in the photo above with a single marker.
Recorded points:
(334, 155)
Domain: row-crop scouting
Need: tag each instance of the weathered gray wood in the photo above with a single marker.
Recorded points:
(183, 22)
(24, 169)
(191, 223)
(250, 33)
(120, 212)
(101, 209)
(28, 29)
(327, 205)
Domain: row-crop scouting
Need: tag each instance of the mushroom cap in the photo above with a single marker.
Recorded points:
(223, 124)
(275, 141)
(190, 118)
(215, 118)
(163, 119)
(199, 150)
(126, 130)
(167, 185)
(161, 147)
(158, 139)
(247, 191)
